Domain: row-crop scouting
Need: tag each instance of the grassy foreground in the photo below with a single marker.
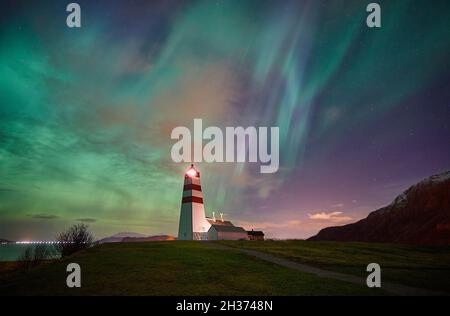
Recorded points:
(172, 268)
(423, 267)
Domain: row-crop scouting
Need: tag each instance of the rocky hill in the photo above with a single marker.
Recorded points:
(420, 215)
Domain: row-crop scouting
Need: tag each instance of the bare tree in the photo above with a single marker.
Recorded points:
(33, 256)
(24, 262)
(76, 238)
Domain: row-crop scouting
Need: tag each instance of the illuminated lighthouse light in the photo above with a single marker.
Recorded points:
(192, 172)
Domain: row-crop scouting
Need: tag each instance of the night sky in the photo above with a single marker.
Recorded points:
(86, 114)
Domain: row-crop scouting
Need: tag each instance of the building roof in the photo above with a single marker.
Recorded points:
(226, 228)
(219, 222)
(255, 233)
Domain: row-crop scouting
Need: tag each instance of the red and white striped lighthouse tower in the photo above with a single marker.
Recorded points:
(193, 223)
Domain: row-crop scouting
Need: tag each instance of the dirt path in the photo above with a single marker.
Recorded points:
(390, 288)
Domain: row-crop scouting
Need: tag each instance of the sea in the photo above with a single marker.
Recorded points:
(12, 251)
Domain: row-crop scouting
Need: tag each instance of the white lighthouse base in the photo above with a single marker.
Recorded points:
(193, 224)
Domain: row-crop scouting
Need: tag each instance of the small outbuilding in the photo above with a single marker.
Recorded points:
(255, 235)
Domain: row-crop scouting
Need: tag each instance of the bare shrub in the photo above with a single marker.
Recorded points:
(32, 256)
(76, 238)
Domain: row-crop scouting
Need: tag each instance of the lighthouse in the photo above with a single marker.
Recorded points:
(193, 222)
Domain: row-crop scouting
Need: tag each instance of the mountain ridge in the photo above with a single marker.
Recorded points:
(133, 237)
(420, 215)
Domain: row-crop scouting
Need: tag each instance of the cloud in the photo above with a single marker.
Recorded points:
(43, 216)
(270, 225)
(337, 205)
(86, 220)
(332, 217)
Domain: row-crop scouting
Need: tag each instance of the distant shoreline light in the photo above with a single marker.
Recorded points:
(27, 242)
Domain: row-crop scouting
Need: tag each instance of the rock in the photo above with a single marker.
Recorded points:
(420, 215)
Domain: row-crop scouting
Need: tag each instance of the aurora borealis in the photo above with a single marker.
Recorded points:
(86, 114)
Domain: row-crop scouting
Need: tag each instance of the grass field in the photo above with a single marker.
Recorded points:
(172, 268)
(424, 267)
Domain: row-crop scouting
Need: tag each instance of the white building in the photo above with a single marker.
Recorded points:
(225, 230)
